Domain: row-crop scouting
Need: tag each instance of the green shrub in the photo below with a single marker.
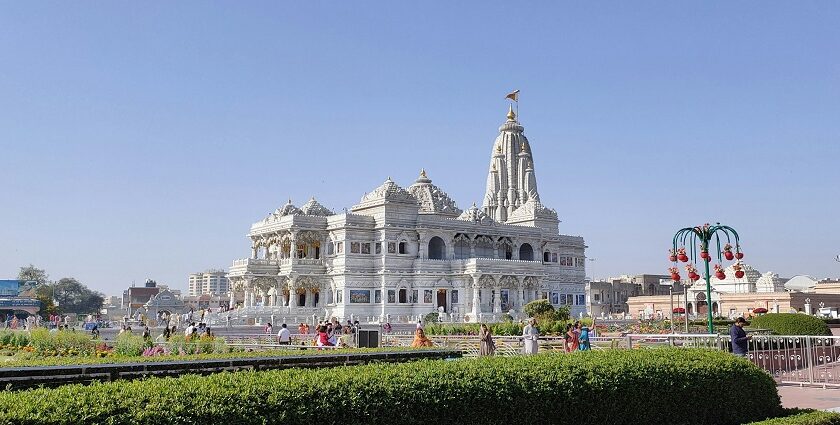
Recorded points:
(538, 308)
(590, 388)
(128, 344)
(791, 324)
(798, 417)
(431, 318)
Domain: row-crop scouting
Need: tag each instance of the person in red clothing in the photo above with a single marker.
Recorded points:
(324, 337)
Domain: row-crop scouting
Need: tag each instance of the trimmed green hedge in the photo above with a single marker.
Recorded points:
(615, 387)
(70, 361)
(791, 324)
(813, 417)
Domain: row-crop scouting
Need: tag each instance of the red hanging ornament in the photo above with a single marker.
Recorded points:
(728, 255)
(704, 255)
(739, 274)
(672, 257)
(681, 255)
(739, 255)
(720, 275)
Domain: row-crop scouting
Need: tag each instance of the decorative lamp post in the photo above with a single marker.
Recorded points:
(703, 236)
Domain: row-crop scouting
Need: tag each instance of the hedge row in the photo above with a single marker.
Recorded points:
(804, 418)
(616, 387)
(69, 361)
(791, 324)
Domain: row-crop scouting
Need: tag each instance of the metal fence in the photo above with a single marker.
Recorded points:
(800, 360)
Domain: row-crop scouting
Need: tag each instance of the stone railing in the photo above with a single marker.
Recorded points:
(254, 262)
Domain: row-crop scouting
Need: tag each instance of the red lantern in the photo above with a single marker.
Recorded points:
(673, 258)
(728, 255)
(683, 258)
(675, 276)
(720, 275)
(739, 255)
(739, 274)
(704, 255)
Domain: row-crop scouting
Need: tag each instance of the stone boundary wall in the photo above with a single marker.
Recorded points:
(52, 376)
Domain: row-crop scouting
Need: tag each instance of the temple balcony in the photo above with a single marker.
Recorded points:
(302, 265)
(480, 265)
(255, 266)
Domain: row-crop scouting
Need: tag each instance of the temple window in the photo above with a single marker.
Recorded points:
(339, 247)
(403, 296)
(355, 248)
(403, 248)
(378, 248)
(546, 257)
(301, 250)
(366, 248)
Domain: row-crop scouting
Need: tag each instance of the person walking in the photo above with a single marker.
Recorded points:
(486, 347)
(531, 336)
(740, 339)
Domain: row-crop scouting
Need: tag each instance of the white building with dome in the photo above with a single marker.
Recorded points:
(404, 252)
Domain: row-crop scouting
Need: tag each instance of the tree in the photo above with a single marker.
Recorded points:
(31, 273)
(44, 294)
(75, 298)
(538, 308)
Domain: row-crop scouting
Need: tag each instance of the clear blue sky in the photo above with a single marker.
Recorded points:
(142, 139)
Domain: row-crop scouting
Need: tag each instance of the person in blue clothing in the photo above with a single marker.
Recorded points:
(740, 339)
(584, 337)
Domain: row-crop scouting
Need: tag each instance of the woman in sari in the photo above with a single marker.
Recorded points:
(584, 336)
(573, 337)
(486, 347)
(420, 340)
(531, 336)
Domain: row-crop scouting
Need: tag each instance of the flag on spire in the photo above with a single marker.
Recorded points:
(514, 96)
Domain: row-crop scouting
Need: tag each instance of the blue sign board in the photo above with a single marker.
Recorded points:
(19, 302)
(9, 288)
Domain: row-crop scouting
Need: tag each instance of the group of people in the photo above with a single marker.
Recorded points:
(576, 338)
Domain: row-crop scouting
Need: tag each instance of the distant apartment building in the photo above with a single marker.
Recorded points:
(210, 282)
(605, 298)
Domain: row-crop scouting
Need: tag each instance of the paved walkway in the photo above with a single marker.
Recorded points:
(810, 397)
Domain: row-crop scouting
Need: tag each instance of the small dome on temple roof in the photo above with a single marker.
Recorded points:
(389, 191)
(432, 199)
(313, 207)
(288, 209)
(476, 215)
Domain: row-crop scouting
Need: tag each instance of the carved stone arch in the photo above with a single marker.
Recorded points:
(264, 283)
(531, 282)
(307, 236)
(237, 284)
(509, 282)
(486, 281)
(307, 282)
(444, 282)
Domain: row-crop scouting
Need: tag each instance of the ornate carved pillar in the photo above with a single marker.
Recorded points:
(293, 242)
(520, 296)
(308, 298)
(497, 300)
(254, 249)
(472, 246)
(450, 248)
(514, 251)
(232, 298)
(476, 296)
(423, 248)
(292, 296)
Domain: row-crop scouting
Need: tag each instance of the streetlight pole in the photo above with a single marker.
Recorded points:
(704, 235)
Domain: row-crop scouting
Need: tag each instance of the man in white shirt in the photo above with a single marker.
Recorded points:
(284, 337)
(189, 331)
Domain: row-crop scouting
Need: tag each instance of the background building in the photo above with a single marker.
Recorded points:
(210, 282)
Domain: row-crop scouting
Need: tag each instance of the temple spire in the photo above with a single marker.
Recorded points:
(511, 181)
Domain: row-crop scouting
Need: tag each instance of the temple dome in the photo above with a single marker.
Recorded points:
(476, 215)
(432, 199)
(288, 209)
(530, 210)
(388, 191)
(751, 275)
(312, 207)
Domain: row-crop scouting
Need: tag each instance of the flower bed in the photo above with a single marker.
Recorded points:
(529, 389)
